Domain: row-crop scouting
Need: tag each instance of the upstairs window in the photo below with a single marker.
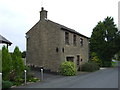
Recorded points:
(66, 38)
(74, 40)
(81, 41)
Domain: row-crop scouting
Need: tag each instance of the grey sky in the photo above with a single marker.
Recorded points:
(18, 16)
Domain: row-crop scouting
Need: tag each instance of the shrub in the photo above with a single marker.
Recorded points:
(67, 68)
(107, 63)
(6, 84)
(6, 63)
(0, 61)
(90, 66)
(18, 65)
(95, 58)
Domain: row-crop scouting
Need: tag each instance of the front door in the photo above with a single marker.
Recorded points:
(78, 62)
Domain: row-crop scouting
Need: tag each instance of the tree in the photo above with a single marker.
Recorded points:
(23, 54)
(103, 40)
(95, 58)
(6, 63)
(18, 65)
(0, 61)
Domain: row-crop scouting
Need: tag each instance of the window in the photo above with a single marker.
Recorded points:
(74, 40)
(78, 60)
(63, 50)
(81, 41)
(67, 38)
(71, 59)
(57, 49)
(81, 60)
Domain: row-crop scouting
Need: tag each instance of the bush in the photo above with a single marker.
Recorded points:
(6, 84)
(17, 62)
(6, 64)
(107, 63)
(90, 67)
(95, 58)
(67, 68)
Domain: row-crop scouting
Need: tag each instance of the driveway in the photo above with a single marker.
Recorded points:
(104, 78)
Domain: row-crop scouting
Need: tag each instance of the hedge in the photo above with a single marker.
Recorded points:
(90, 67)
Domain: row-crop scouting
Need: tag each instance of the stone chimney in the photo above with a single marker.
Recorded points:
(43, 14)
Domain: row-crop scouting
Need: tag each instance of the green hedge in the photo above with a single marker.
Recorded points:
(67, 68)
(6, 84)
(90, 67)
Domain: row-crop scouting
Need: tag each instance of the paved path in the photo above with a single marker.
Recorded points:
(104, 78)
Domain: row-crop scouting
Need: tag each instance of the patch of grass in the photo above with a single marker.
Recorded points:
(114, 63)
(33, 80)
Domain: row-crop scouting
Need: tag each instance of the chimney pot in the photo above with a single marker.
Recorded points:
(43, 14)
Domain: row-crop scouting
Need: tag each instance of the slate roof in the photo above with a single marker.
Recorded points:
(4, 40)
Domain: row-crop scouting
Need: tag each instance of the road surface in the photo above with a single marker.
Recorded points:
(104, 78)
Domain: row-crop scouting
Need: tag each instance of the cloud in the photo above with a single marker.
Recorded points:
(18, 16)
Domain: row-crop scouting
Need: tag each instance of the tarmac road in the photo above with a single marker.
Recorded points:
(104, 78)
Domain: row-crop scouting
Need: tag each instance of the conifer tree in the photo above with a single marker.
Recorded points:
(18, 65)
(103, 40)
(6, 63)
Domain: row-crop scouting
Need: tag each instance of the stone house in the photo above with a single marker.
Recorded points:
(49, 44)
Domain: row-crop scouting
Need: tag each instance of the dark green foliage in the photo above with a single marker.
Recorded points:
(6, 64)
(118, 56)
(0, 61)
(18, 65)
(6, 84)
(23, 54)
(90, 67)
(13, 68)
(103, 41)
(67, 68)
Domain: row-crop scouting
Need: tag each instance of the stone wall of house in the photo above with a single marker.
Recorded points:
(72, 51)
(46, 45)
(52, 46)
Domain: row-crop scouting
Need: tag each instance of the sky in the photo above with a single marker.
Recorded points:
(18, 16)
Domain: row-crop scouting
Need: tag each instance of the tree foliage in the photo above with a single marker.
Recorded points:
(18, 65)
(23, 54)
(94, 58)
(0, 61)
(104, 40)
(90, 66)
(6, 63)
